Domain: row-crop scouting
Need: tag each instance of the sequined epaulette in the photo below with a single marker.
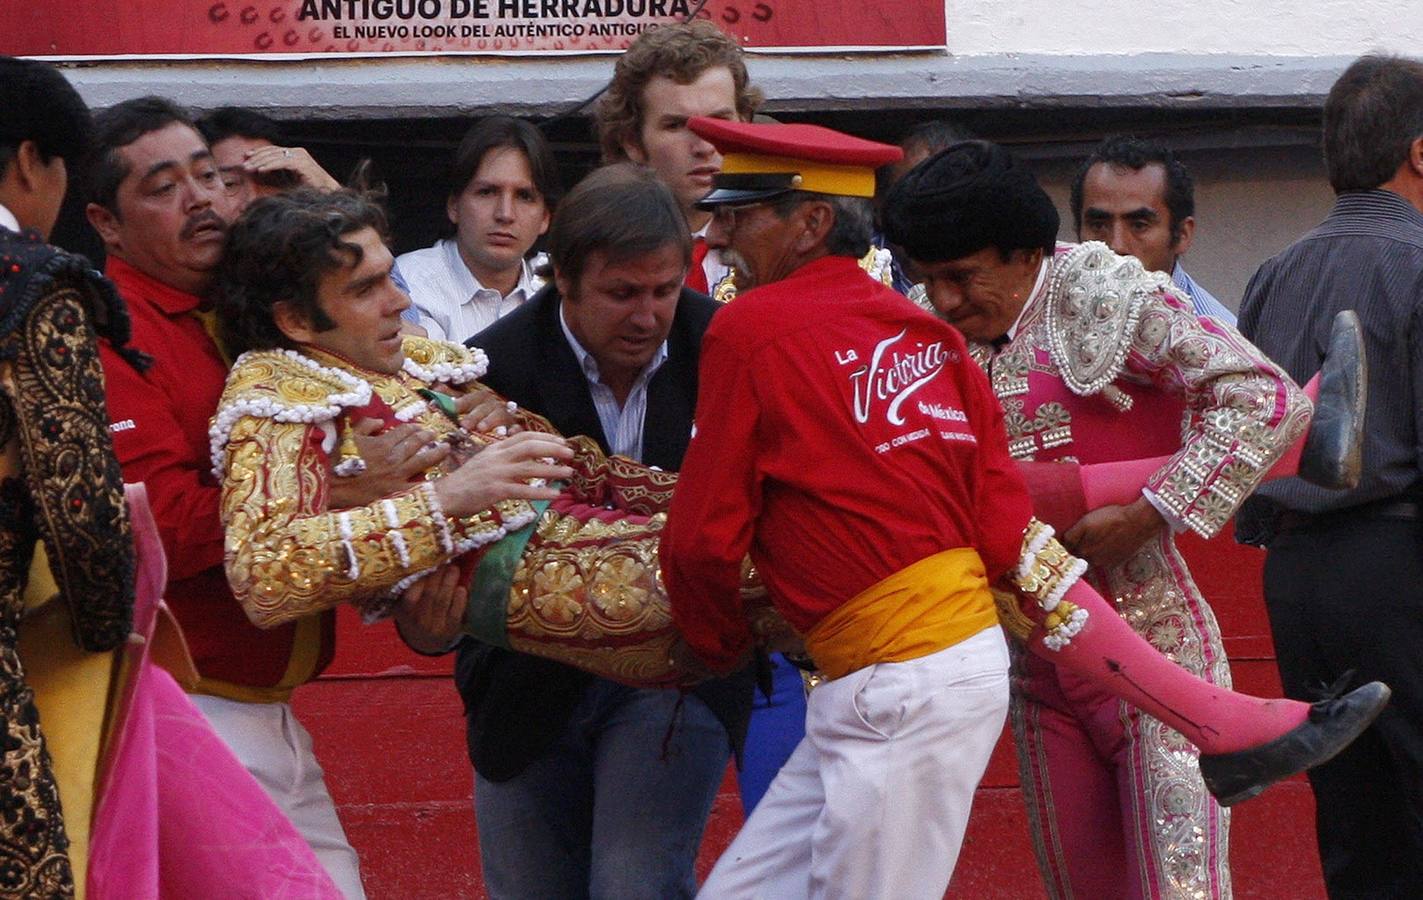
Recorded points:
(878, 263)
(1095, 299)
(285, 386)
(441, 362)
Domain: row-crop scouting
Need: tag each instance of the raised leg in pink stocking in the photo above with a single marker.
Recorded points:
(1246, 742)
(1108, 653)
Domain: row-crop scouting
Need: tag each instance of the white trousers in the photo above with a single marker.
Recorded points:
(875, 799)
(276, 749)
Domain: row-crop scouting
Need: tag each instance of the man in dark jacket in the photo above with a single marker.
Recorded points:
(1344, 575)
(585, 787)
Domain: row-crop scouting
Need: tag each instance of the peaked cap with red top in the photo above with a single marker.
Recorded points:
(761, 161)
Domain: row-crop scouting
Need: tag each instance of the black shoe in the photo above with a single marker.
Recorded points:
(1332, 725)
(1333, 448)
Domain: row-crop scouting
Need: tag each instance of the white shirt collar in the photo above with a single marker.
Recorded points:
(8, 220)
(1038, 287)
(472, 290)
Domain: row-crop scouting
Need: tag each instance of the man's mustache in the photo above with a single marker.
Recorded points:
(206, 217)
(742, 276)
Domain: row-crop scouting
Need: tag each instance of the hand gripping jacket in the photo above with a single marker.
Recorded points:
(582, 587)
(274, 440)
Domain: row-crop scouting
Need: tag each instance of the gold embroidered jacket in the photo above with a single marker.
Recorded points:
(274, 442)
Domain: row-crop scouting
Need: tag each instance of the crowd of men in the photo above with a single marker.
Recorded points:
(319, 422)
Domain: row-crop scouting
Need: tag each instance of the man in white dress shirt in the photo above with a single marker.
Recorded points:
(502, 187)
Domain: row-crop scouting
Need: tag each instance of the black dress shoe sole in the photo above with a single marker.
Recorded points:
(1333, 449)
(1233, 777)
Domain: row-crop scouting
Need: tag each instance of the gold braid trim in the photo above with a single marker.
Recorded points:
(286, 556)
(441, 362)
(618, 481)
(1045, 573)
(1011, 615)
(281, 384)
(53, 386)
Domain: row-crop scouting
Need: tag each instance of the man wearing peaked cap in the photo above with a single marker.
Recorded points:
(816, 438)
(778, 166)
(849, 443)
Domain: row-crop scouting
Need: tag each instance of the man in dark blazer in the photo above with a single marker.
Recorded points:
(585, 787)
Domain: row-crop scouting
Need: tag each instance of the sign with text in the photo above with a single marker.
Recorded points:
(118, 29)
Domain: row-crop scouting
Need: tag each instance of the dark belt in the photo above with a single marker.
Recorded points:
(1395, 510)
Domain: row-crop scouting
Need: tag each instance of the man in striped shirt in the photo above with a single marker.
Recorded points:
(1344, 574)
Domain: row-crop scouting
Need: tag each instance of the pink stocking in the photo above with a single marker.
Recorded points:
(1118, 483)
(1108, 653)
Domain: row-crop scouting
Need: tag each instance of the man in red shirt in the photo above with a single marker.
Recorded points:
(158, 203)
(848, 442)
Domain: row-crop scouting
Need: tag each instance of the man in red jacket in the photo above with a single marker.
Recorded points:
(158, 203)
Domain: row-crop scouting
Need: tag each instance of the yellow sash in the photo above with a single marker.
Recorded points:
(921, 609)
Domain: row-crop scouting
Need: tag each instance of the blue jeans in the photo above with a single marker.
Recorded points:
(615, 810)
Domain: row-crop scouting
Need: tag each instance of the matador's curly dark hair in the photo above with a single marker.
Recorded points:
(277, 252)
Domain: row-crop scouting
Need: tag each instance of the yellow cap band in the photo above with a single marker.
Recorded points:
(818, 177)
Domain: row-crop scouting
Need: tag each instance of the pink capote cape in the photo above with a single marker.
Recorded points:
(176, 815)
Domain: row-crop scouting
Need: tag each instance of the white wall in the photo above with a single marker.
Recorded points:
(1265, 27)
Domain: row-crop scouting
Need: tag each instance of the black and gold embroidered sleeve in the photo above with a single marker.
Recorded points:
(56, 387)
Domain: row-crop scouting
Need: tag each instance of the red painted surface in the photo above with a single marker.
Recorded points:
(389, 731)
(304, 28)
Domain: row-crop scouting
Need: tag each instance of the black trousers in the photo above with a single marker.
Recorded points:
(1347, 593)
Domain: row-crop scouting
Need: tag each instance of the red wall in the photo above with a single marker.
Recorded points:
(390, 733)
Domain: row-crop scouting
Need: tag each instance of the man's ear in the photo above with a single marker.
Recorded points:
(292, 323)
(26, 166)
(12, 189)
(562, 282)
(1415, 157)
(633, 149)
(1184, 236)
(450, 204)
(818, 218)
(106, 222)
